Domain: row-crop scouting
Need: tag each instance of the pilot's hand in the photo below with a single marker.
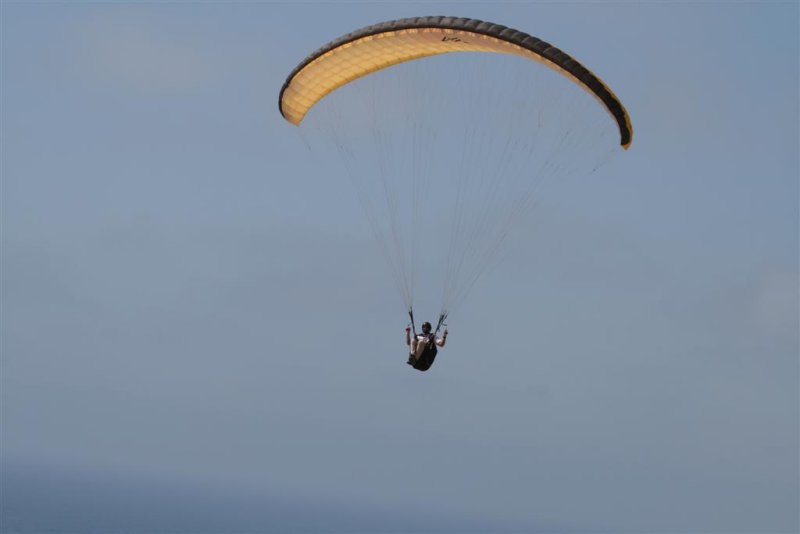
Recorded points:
(408, 329)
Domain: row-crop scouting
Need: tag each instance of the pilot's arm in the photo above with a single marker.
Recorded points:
(442, 340)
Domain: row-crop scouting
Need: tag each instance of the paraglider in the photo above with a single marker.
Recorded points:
(423, 347)
(480, 132)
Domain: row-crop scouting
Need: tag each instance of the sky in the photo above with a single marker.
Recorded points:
(199, 335)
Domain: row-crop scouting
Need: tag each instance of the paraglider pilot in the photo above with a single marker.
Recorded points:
(423, 347)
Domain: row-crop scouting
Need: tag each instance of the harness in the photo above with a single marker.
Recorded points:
(425, 360)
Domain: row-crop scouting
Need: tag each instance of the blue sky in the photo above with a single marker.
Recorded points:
(196, 338)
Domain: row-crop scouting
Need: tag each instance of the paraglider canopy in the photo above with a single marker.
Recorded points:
(382, 45)
(447, 151)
